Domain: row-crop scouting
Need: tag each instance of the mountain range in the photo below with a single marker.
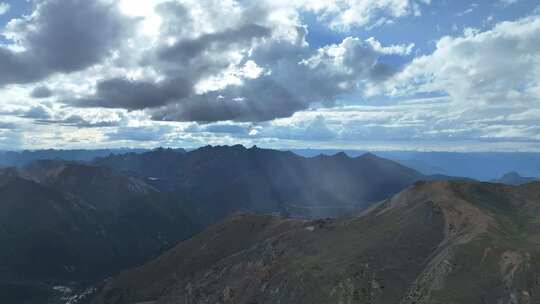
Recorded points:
(232, 178)
(67, 225)
(483, 166)
(66, 221)
(23, 158)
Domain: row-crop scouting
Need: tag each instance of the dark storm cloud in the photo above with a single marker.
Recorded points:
(185, 58)
(185, 50)
(299, 77)
(20, 67)
(293, 84)
(62, 36)
(206, 55)
(294, 75)
(135, 95)
(41, 92)
(258, 100)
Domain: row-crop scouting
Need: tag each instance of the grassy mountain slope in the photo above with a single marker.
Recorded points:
(436, 242)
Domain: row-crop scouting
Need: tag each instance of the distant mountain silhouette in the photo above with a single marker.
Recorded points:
(483, 166)
(436, 242)
(225, 179)
(23, 158)
(513, 178)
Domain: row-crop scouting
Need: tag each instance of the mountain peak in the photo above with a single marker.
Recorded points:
(341, 155)
(369, 155)
(511, 174)
(218, 148)
(514, 178)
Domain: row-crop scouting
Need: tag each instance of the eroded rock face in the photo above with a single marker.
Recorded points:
(437, 242)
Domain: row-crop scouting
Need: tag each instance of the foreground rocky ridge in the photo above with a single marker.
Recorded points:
(436, 242)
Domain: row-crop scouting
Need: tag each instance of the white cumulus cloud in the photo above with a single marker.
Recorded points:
(500, 65)
(4, 8)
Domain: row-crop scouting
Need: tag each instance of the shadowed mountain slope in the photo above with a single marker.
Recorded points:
(436, 242)
(72, 222)
(226, 179)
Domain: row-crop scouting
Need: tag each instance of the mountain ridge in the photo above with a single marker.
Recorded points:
(295, 185)
(435, 242)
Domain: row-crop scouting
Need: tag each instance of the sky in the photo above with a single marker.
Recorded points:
(426, 75)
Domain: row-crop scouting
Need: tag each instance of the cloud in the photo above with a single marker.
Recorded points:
(344, 15)
(239, 130)
(79, 122)
(41, 92)
(186, 50)
(4, 8)
(508, 2)
(247, 71)
(249, 68)
(7, 125)
(134, 94)
(61, 36)
(292, 84)
(471, 9)
(225, 128)
(37, 112)
(497, 66)
(309, 129)
(257, 100)
(341, 67)
(140, 133)
(419, 122)
(402, 50)
(10, 139)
